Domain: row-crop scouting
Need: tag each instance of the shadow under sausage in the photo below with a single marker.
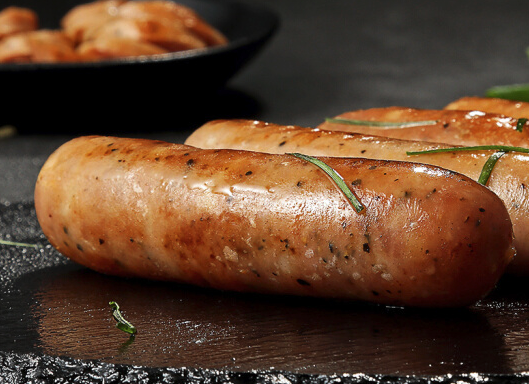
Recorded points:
(187, 326)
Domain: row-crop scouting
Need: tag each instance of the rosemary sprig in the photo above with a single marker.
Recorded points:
(489, 166)
(122, 324)
(357, 205)
(387, 124)
(17, 244)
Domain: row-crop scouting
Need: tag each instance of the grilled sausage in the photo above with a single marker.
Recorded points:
(516, 109)
(16, 19)
(509, 179)
(41, 46)
(113, 48)
(249, 221)
(450, 127)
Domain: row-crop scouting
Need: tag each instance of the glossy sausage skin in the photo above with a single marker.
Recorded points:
(509, 179)
(14, 20)
(249, 221)
(465, 128)
(516, 109)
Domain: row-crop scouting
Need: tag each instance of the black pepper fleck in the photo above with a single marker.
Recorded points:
(303, 282)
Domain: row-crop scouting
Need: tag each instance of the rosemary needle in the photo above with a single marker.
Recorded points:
(489, 166)
(387, 124)
(17, 244)
(520, 124)
(358, 206)
(122, 324)
(503, 148)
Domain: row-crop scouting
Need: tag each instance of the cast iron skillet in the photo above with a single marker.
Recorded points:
(138, 91)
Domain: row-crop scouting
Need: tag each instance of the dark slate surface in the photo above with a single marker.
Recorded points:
(327, 57)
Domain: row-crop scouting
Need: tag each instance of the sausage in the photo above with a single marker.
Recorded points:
(169, 25)
(16, 19)
(250, 221)
(509, 179)
(112, 48)
(84, 18)
(173, 13)
(170, 36)
(44, 46)
(466, 128)
(516, 109)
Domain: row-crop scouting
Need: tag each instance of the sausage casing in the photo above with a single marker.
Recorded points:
(465, 128)
(509, 179)
(249, 221)
(516, 109)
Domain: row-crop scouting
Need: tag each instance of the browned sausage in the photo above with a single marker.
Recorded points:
(112, 48)
(42, 46)
(170, 36)
(509, 180)
(249, 221)
(16, 19)
(451, 127)
(87, 17)
(172, 13)
(516, 109)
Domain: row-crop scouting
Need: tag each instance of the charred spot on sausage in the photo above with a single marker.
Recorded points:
(482, 209)
(101, 241)
(79, 247)
(356, 182)
(431, 193)
(303, 282)
(190, 163)
(282, 143)
(366, 247)
(248, 173)
(363, 151)
(65, 229)
(375, 293)
(331, 247)
(299, 184)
